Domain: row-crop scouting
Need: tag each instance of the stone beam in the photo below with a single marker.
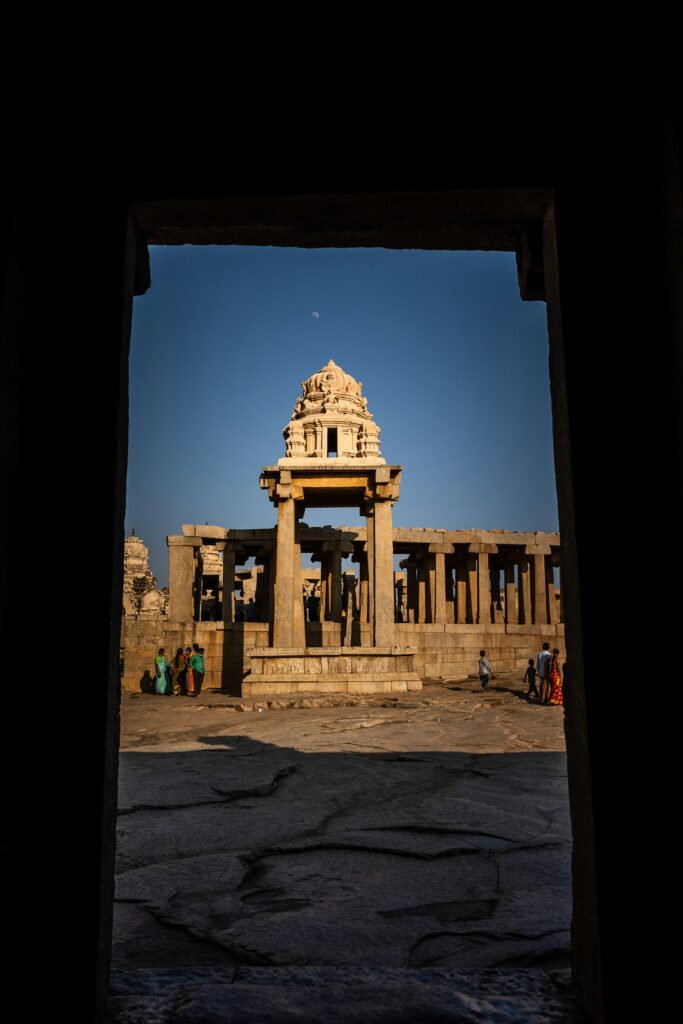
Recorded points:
(468, 218)
(205, 532)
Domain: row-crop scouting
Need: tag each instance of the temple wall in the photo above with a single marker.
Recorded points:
(442, 651)
(452, 651)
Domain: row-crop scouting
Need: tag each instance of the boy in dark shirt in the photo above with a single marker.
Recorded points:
(530, 678)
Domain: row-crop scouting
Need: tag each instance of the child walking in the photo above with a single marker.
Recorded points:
(484, 670)
(530, 678)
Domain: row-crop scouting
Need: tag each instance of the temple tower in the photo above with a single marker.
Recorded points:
(332, 460)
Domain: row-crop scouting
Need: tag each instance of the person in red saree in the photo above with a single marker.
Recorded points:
(555, 678)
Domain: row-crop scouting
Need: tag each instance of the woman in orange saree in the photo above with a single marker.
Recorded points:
(555, 678)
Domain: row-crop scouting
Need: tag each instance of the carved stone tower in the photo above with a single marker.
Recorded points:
(331, 420)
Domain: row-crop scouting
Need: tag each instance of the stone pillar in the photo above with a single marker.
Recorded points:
(270, 589)
(349, 602)
(283, 625)
(329, 585)
(472, 592)
(383, 575)
(524, 591)
(228, 583)
(262, 587)
(550, 591)
(483, 593)
(461, 590)
(334, 550)
(259, 596)
(510, 592)
(364, 596)
(181, 577)
(370, 548)
(431, 586)
(450, 592)
(422, 588)
(336, 585)
(324, 589)
(540, 595)
(496, 605)
(483, 550)
(413, 600)
(299, 612)
(438, 595)
(400, 597)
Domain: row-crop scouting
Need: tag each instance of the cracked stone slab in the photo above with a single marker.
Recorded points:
(212, 776)
(427, 836)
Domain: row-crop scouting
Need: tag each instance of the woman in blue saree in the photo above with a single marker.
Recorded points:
(160, 681)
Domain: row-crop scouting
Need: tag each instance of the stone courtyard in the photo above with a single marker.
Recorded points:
(386, 858)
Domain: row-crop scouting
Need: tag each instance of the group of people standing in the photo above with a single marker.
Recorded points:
(183, 675)
(546, 669)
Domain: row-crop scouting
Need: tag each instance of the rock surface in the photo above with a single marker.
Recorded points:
(424, 840)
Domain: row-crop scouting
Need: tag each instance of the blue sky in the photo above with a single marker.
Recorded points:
(454, 366)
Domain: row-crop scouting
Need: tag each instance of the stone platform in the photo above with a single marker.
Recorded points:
(330, 670)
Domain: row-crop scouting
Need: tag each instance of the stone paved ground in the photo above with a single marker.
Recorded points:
(413, 851)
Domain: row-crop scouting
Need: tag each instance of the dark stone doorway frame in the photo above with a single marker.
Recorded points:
(617, 216)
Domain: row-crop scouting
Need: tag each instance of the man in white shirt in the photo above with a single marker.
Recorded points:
(543, 666)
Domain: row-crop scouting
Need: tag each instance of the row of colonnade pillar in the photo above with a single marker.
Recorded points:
(448, 586)
(444, 583)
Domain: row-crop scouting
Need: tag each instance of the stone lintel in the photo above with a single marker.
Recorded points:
(478, 548)
(237, 545)
(187, 542)
(207, 532)
(441, 549)
(345, 546)
(374, 483)
(266, 549)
